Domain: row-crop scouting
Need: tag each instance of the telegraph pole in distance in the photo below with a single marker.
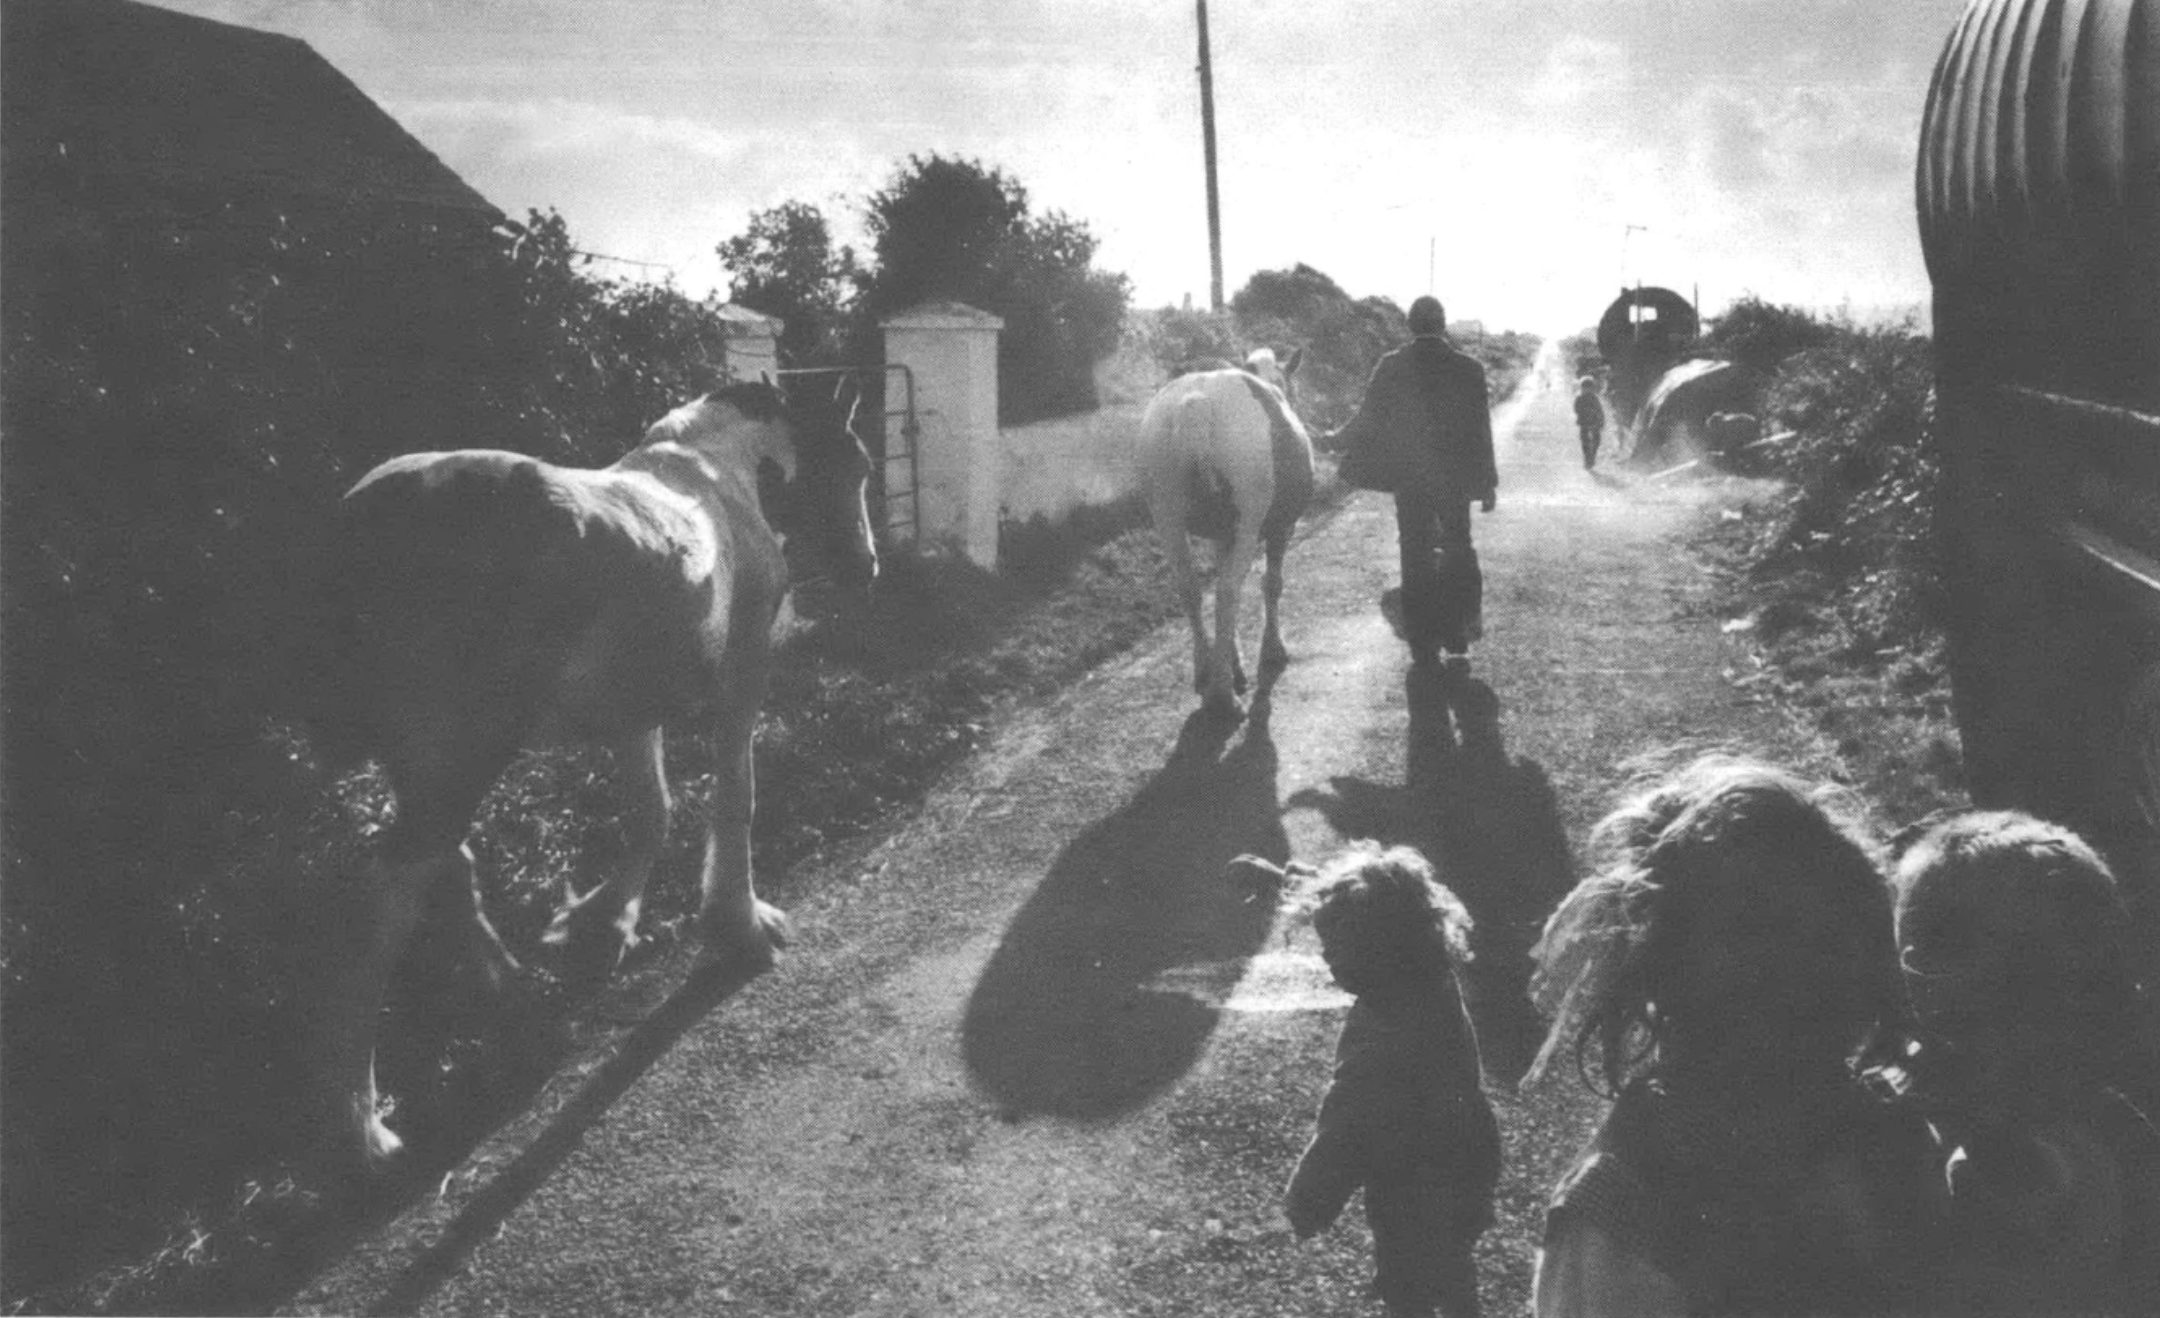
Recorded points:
(1207, 137)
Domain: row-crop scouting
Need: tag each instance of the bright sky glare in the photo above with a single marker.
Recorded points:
(1521, 158)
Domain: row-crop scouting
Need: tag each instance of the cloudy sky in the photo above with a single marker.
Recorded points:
(1500, 149)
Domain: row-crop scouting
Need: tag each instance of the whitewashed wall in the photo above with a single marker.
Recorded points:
(1057, 466)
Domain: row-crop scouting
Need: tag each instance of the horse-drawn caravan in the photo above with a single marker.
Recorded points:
(481, 602)
(1224, 457)
(1642, 333)
(2038, 187)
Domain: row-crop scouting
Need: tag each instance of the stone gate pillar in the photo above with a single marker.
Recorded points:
(951, 349)
(750, 342)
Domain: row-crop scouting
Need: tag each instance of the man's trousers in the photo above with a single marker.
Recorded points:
(1442, 586)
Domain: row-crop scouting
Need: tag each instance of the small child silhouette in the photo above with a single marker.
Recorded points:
(1405, 1118)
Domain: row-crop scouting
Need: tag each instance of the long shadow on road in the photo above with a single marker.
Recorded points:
(1492, 828)
(1087, 1008)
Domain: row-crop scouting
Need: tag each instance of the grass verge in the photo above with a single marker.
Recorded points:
(1880, 712)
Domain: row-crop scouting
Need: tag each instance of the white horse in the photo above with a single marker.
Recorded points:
(481, 602)
(1223, 456)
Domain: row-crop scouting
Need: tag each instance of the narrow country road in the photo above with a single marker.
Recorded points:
(1031, 1055)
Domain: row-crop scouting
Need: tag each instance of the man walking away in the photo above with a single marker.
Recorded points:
(1427, 419)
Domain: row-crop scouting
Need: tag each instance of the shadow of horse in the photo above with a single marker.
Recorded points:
(1104, 989)
(1492, 828)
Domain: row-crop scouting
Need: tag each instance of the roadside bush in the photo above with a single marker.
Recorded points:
(1834, 570)
(1342, 338)
(183, 404)
(1858, 473)
(1760, 336)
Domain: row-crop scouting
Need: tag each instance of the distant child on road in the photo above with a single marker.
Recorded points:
(1589, 420)
(1405, 1116)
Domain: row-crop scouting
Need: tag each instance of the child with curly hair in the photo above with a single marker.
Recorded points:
(1405, 1116)
(1724, 968)
(2034, 1058)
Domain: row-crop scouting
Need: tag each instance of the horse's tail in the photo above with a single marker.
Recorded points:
(1212, 512)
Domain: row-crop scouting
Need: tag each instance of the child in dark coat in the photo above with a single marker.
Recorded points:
(1589, 420)
(1405, 1117)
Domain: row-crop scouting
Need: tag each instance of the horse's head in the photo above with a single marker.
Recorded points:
(830, 490)
(1280, 372)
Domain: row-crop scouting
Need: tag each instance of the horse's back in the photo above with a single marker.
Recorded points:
(1226, 435)
(480, 595)
(1204, 417)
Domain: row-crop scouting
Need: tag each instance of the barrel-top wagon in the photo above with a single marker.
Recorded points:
(2038, 187)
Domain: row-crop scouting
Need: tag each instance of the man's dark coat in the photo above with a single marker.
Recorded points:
(1427, 419)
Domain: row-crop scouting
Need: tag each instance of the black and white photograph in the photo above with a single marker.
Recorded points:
(1126, 658)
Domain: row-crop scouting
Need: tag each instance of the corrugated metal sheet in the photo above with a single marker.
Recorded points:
(2039, 194)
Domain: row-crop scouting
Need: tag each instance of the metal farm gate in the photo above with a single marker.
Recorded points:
(897, 468)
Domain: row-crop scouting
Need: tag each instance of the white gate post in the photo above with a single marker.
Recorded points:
(750, 341)
(951, 350)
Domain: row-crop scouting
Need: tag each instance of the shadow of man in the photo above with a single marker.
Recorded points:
(1075, 1015)
(1491, 827)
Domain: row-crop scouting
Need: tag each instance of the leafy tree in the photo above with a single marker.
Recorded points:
(955, 230)
(1300, 295)
(787, 265)
(938, 230)
(1342, 338)
(1061, 316)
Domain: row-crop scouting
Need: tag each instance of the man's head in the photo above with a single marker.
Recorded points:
(1427, 316)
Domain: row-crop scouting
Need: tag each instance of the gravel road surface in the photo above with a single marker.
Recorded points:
(1031, 1053)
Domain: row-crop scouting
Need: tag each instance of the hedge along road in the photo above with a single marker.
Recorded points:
(1032, 1054)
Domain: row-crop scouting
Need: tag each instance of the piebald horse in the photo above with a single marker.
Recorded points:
(482, 602)
(1223, 456)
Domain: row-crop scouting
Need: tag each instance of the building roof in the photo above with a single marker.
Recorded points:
(134, 99)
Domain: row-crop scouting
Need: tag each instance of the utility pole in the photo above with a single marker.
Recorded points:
(1207, 137)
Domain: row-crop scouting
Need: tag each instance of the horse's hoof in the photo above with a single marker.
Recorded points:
(773, 921)
(745, 949)
(384, 1149)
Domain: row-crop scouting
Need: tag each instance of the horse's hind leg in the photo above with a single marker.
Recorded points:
(1229, 674)
(1273, 655)
(422, 852)
(1177, 548)
(601, 926)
